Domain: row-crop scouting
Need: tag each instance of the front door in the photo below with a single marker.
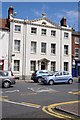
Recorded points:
(42, 65)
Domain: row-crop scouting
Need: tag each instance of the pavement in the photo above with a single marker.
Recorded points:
(72, 109)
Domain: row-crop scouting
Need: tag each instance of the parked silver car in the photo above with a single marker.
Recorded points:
(58, 77)
(6, 78)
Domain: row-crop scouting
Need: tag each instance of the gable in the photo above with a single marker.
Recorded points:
(43, 21)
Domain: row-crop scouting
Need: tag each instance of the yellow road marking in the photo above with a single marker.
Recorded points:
(31, 104)
(75, 92)
(3, 98)
(56, 114)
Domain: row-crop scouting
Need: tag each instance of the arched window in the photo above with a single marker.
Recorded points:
(44, 23)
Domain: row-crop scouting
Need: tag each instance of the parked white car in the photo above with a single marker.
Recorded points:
(6, 78)
(58, 77)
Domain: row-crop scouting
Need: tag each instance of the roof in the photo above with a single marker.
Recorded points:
(76, 33)
(3, 24)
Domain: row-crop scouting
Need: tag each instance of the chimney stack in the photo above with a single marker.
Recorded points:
(63, 22)
(10, 11)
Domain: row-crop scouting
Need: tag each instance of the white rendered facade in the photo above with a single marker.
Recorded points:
(24, 60)
(4, 44)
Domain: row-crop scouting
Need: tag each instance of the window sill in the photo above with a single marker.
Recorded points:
(33, 53)
(43, 53)
(53, 54)
(17, 52)
(17, 31)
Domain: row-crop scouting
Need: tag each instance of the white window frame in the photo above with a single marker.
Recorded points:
(32, 65)
(66, 49)
(43, 31)
(16, 65)
(66, 66)
(76, 40)
(76, 52)
(33, 47)
(66, 35)
(17, 46)
(33, 30)
(53, 66)
(53, 33)
(53, 48)
(18, 28)
(43, 47)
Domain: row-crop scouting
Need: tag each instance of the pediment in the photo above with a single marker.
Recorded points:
(43, 21)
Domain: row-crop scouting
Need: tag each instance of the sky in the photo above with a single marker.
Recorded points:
(54, 11)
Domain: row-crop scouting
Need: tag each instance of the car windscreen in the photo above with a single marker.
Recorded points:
(3, 73)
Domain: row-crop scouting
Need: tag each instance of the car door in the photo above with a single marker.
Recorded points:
(58, 77)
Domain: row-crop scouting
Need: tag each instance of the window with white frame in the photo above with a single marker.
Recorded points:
(43, 47)
(53, 33)
(43, 31)
(76, 40)
(17, 28)
(32, 65)
(33, 47)
(66, 35)
(53, 66)
(76, 52)
(65, 66)
(33, 30)
(65, 49)
(53, 48)
(16, 65)
(17, 45)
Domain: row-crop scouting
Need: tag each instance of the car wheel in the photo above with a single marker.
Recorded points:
(51, 82)
(39, 79)
(6, 84)
(70, 81)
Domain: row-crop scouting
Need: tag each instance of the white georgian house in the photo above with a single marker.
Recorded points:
(39, 44)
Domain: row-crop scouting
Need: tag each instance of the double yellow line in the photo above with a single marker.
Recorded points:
(49, 110)
(75, 92)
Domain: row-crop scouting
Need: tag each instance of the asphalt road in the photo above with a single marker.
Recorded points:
(31, 100)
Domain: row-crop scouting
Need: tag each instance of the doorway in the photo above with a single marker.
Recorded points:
(42, 65)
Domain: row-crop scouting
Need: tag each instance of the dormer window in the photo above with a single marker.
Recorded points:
(44, 23)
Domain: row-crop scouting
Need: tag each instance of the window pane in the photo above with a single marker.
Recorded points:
(33, 65)
(43, 32)
(65, 66)
(53, 33)
(76, 40)
(53, 64)
(33, 30)
(43, 47)
(17, 28)
(33, 47)
(65, 35)
(66, 49)
(17, 45)
(53, 48)
(16, 65)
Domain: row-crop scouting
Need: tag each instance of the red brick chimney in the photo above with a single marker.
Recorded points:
(63, 22)
(10, 11)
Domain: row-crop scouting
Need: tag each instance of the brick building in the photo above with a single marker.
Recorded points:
(75, 53)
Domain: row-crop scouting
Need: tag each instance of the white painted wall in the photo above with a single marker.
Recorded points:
(4, 43)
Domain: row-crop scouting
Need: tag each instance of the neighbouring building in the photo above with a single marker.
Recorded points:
(4, 44)
(75, 53)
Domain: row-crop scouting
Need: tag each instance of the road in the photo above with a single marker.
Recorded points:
(34, 100)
